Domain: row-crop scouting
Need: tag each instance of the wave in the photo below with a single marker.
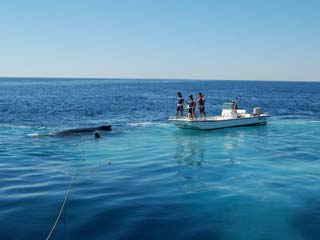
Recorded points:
(34, 135)
(13, 126)
(5, 125)
(41, 135)
(298, 118)
(147, 124)
(287, 117)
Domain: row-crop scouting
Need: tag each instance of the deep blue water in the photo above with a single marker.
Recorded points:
(162, 183)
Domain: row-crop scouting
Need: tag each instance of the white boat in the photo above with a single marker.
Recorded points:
(230, 117)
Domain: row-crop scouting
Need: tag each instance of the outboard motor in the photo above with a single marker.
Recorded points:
(257, 111)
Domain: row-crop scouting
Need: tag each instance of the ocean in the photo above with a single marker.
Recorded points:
(146, 179)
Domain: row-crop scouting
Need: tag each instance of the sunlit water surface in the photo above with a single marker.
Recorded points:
(148, 180)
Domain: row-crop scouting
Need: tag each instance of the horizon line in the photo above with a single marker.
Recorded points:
(155, 78)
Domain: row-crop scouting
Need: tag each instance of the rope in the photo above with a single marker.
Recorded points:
(62, 207)
(65, 198)
(67, 194)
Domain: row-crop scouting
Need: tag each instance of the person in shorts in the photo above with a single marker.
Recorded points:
(235, 105)
(191, 108)
(201, 102)
(180, 102)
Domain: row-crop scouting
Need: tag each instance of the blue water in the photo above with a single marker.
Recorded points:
(148, 180)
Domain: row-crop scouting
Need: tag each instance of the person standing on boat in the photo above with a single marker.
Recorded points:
(200, 102)
(179, 104)
(191, 108)
(235, 105)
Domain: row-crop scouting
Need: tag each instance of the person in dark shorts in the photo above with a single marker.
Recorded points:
(180, 103)
(191, 108)
(200, 102)
(235, 105)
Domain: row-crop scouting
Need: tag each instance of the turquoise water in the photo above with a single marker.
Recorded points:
(149, 180)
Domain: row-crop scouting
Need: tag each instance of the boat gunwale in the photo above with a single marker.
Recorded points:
(204, 120)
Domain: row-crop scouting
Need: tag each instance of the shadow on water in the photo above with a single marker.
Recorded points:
(307, 222)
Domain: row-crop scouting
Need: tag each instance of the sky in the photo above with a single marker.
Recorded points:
(180, 39)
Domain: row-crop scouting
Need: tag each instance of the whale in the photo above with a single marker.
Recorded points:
(84, 130)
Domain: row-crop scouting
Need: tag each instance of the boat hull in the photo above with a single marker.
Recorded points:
(219, 124)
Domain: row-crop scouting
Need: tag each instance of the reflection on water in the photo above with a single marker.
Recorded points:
(209, 160)
(189, 155)
(189, 152)
(231, 147)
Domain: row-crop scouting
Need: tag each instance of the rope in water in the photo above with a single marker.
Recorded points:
(67, 196)
(65, 199)
(62, 207)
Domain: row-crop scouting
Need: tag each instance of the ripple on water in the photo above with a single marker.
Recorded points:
(148, 180)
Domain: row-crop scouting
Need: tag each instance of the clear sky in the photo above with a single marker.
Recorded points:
(196, 39)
